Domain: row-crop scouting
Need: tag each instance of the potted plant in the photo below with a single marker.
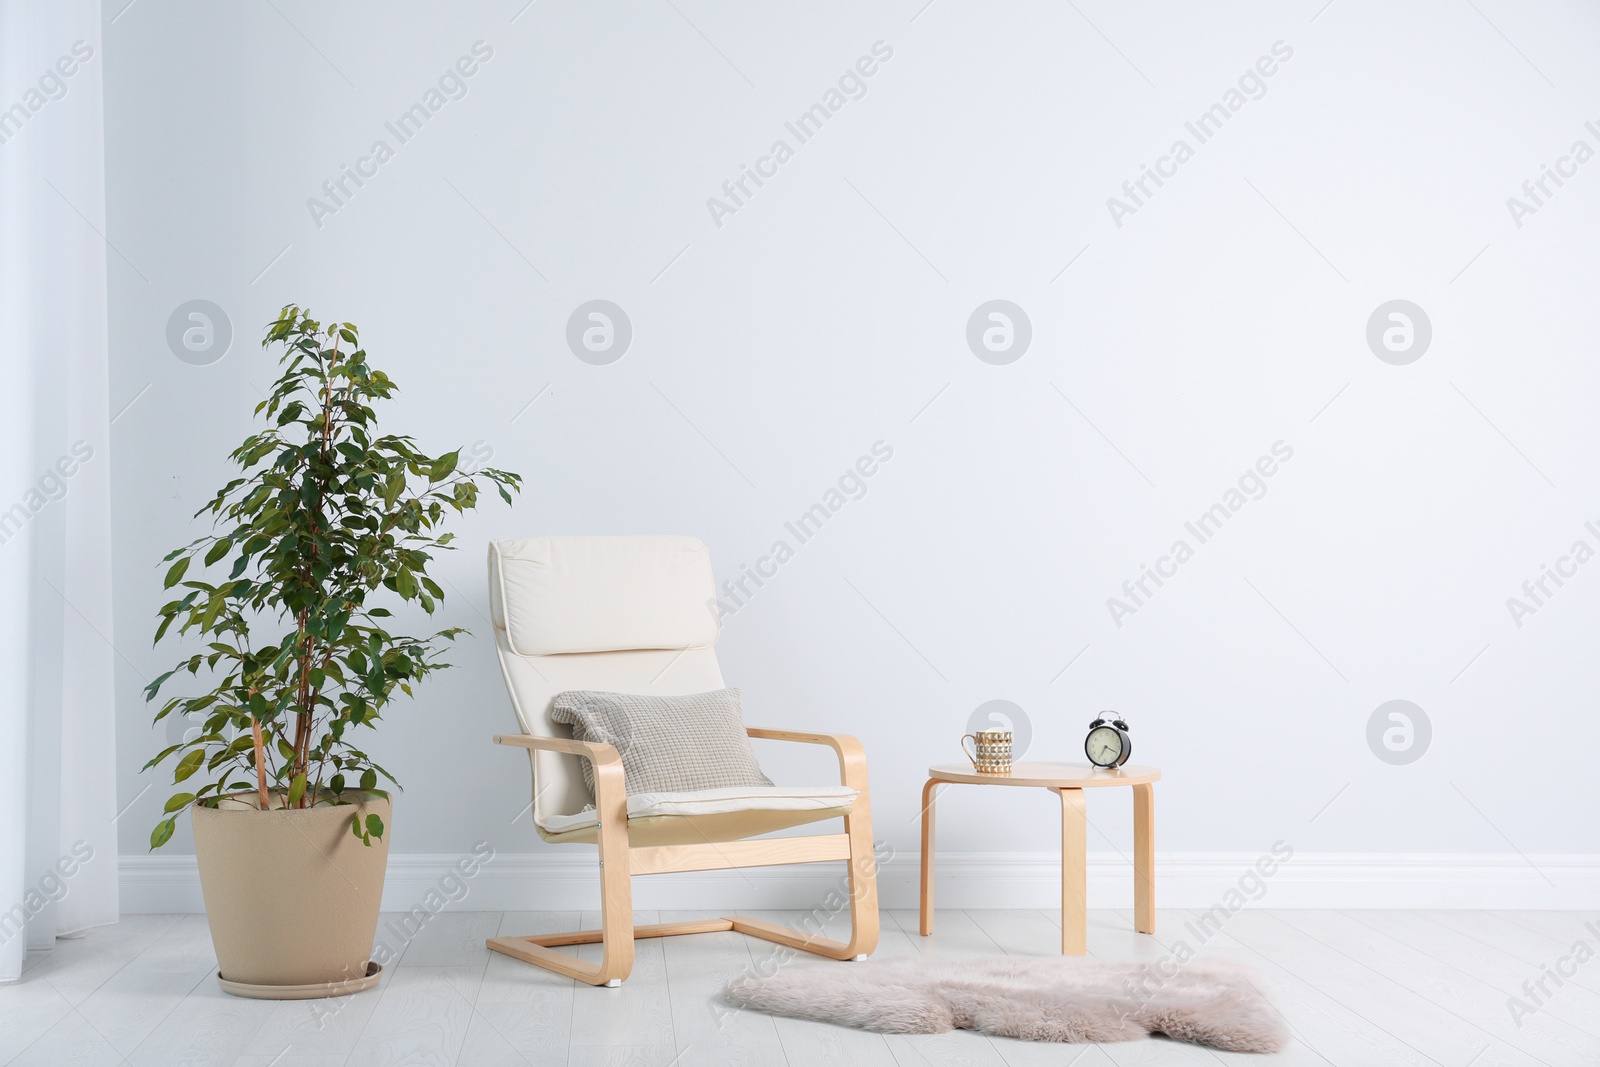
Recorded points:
(327, 521)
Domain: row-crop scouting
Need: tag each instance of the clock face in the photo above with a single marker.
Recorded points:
(1104, 746)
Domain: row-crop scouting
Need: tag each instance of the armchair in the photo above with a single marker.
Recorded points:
(636, 615)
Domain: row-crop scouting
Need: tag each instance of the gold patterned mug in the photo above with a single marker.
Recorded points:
(990, 752)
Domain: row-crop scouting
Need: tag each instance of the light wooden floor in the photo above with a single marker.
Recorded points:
(1359, 988)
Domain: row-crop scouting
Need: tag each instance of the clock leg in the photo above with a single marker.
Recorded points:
(929, 792)
(1074, 874)
(1144, 859)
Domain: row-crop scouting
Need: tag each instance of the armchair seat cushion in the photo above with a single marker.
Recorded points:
(834, 799)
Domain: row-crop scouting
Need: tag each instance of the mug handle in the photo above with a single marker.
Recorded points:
(973, 755)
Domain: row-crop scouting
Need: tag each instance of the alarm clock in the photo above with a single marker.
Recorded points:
(1108, 743)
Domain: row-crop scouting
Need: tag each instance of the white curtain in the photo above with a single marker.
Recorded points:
(58, 794)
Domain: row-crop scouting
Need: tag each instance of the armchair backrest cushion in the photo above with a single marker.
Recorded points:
(605, 594)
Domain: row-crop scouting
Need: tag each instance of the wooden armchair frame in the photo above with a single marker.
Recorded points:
(619, 862)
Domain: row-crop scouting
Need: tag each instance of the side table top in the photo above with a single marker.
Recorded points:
(1048, 775)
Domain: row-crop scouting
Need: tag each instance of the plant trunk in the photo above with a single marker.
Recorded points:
(300, 764)
(261, 761)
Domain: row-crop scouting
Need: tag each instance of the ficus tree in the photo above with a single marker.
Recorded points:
(327, 521)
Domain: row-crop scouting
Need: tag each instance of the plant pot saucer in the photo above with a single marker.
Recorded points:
(309, 991)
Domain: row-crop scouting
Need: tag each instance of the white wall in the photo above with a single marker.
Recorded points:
(1228, 313)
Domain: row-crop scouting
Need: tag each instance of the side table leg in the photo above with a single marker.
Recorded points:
(1074, 874)
(1144, 859)
(929, 792)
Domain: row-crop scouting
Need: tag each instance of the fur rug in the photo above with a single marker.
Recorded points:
(1212, 1002)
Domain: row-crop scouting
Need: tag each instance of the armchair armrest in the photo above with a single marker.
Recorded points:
(852, 757)
(610, 790)
(593, 751)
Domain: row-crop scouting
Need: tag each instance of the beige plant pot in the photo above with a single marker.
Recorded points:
(292, 896)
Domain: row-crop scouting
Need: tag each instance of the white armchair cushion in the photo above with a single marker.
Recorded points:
(717, 802)
(565, 595)
(668, 744)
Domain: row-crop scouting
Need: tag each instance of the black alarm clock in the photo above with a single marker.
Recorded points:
(1108, 743)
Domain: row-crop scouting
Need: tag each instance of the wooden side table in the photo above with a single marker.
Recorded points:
(1070, 780)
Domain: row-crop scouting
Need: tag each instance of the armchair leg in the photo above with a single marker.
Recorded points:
(616, 920)
(862, 886)
(615, 936)
(863, 880)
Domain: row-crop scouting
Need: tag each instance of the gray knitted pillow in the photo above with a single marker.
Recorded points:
(667, 744)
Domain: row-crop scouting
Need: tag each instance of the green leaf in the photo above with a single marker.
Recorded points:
(161, 834)
(188, 765)
(374, 826)
(444, 466)
(355, 826)
(150, 690)
(369, 779)
(178, 800)
(164, 754)
(218, 550)
(297, 788)
(176, 572)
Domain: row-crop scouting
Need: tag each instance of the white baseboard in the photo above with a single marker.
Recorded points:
(567, 879)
